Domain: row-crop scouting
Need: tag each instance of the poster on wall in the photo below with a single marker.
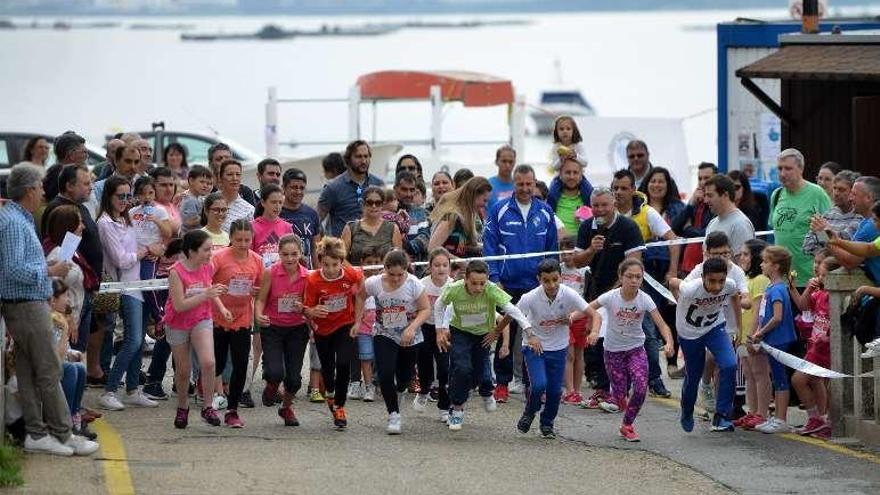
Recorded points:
(769, 145)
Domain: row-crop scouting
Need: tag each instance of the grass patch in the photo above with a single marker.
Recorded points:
(10, 466)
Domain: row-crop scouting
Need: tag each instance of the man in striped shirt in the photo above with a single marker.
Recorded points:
(841, 218)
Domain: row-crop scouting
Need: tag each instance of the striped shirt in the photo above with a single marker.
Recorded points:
(845, 224)
(22, 263)
(238, 209)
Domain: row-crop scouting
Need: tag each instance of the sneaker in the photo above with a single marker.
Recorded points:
(572, 398)
(420, 403)
(525, 423)
(516, 387)
(85, 432)
(609, 406)
(547, 432)
(813, 425)
(501, 393)
(355, 391)
(490, 404)
(96, 382)
(137, 398)
(209, 414)
(707, 396)
(594, 400)
(315, 396)
(629, 433)
(81, 445)
(740, 422)
(246, 400)
(753, 422)
(674, 372)
(153, 391)
(339, 419)
(220, 402)
(232, 420)
(47, 444)
(823, 434)
(774, 425)
(369, 392)
(720, 423)
(110, 402)
(393, 427)
(658, 389)
(268, 396)
(686, 420)
(444, 416)
(456, 420)
(871, 352)
(286, 413)
(182, 418)
(873, 343)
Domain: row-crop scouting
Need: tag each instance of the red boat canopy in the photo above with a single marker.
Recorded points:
(471, 88)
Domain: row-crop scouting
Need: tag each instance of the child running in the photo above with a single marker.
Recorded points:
(776, 329)
(470, 332)
(813, 390)
(699, 318)
(401, 308)
(188, 323)
(429, 353)
(625, 357)
(574, 278)
(279, 310)
(331, 304)
(239, 269)
(550, 307)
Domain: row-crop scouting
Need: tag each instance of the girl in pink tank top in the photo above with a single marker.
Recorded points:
(285, 335)
(188, 320)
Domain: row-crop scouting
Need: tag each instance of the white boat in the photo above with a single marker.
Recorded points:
(559, 101)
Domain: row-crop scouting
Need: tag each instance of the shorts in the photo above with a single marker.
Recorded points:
(577, 333)
(365, 347)
(778, 371)
(175, 336)
(314, 360)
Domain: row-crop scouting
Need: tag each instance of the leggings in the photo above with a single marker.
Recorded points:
(429, 353)
(335, 352)
(625, 368)
(395, 368)
(284, 349)
(237, 345)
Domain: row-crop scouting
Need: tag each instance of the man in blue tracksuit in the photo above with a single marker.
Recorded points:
(518, 225)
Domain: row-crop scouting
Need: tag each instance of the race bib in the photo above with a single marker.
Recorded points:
(287, 303)
(393, 318)
(194, 291)
(473, 320)
(336, 303)
(240, 287)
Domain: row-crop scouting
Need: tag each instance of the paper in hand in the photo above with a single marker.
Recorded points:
(68, 246)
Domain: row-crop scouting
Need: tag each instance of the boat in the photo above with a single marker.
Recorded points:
(559, 101)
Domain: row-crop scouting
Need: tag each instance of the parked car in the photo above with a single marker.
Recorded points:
(12, 152)
(196, 145)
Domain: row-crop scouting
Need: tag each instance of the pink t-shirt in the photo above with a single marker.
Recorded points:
(283, 294)
(267, 233)
(819, 342)
(194, 282)
(369, 317)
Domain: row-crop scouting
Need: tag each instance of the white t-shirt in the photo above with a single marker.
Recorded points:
(524, 209)
(576, 278)
(433, 293)
(549, 319)
(735, 273)
(698, 311)
(625, 319)
(147, 231)
(395, 309)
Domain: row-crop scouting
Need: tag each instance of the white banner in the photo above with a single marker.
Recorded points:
(803, 366)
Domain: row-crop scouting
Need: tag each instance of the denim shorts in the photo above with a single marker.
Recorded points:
(179, 337)
(365, 347)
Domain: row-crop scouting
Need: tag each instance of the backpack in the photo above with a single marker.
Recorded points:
(860, 319)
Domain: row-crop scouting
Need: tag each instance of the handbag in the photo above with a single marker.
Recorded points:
(105, 303)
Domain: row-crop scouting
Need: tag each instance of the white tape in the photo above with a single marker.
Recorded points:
(803, 366)
(659, 288)
(682, 240)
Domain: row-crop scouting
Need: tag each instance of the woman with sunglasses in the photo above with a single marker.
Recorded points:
(371, 233)
(122, 258)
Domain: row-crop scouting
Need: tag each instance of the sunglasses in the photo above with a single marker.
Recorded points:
(376, 203)
(124, 197)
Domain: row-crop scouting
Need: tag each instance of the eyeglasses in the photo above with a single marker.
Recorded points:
(124, 196)
(376, 203)
(219, 211)
(635, 155)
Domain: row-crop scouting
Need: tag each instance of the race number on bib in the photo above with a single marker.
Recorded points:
(473, 320)
(394, 318)
(240, 286)
(336, 303)
(288, 303)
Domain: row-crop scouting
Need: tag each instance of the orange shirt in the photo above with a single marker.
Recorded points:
(337, 295)
(240, 276)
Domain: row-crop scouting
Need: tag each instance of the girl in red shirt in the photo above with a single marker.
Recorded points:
(330, 303)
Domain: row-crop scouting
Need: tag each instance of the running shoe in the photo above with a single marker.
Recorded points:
(420, 403)
(209, 414)
(316, 396)
(823, 434)
(246, 400)
(288, 416)
(394, 424)
(674, 372)
(220, 402)
(610, 406)
(502, 394)
(873, 343)
(80, 445)
(720, 423)
(871, 352)
(182, 418)
(525, 423)
(547, 432)
(355, 391)
(813, 425)
(594, 400)
(47, 444)
(687, 421)
(232, 420)
(774, 425)
(753, 422)
(658, 389)
(456, 420)
(490, 404)
(369, 392)
(269, 394)
(339, 419)
(516, 387)
(572, 398)
(154, 391)
(444, 415)
(629, 433)
(110, 402)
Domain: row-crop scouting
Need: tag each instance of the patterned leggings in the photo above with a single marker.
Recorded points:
(625, 368)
